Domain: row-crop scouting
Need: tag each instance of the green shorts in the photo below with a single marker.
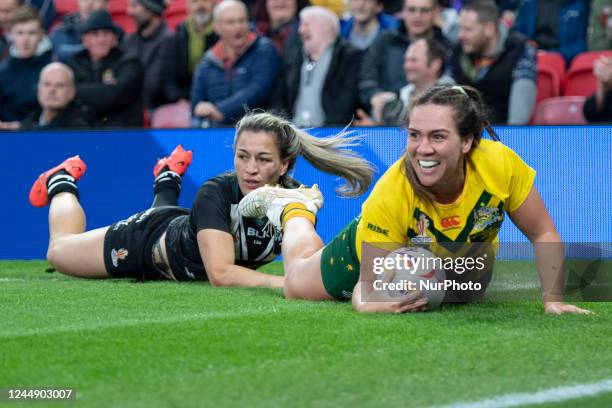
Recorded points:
(339, 263)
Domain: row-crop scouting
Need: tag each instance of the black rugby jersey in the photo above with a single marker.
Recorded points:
(216, 207)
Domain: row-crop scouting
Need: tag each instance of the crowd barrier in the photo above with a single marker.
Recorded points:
(574, 165)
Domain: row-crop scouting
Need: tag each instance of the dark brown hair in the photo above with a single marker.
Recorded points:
(470, 117)
(487, 10)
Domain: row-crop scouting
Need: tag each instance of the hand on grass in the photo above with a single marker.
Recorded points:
(558, 308)
(380, 302)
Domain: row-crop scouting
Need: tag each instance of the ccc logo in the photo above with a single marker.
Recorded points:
(450, 222)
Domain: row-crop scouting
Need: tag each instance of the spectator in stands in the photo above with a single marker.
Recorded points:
(382, 75)
(30, 51)
(598, 107)
(108, 81)
(424, 66)
(317, 82)
(277, 20)
(186, 48)
(367, 21)
(237, 73)
(555, 25)
(149, 43)
(499, 63)
(7, 9)
(56, 92)
(66, 38)
(46, 11)
(600, 26)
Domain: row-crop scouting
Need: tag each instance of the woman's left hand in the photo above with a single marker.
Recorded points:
(558, 308)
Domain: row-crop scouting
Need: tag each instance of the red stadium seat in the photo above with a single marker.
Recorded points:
(124, 21)
(173, 115)
(117, 6)
(174, 20)
(63, 7)
(563, 110)
(580, 78)
(551, 73)
(176, 13)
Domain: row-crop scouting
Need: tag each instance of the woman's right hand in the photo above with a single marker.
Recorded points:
(380, 302)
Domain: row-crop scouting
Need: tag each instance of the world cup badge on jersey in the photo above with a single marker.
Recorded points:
(118, 255)
(422, 226)
(109, 78)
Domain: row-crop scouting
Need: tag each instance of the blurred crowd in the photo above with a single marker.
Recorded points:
(204, 63)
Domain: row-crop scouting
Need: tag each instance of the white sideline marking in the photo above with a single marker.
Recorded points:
(557, 394)
(137, 322)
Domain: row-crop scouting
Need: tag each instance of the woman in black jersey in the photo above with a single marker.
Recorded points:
(211, 241)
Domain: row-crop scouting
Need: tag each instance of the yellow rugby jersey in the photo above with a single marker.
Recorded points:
(497, 181)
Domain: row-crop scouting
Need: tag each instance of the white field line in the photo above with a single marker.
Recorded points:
(141, 321)
(549, 395)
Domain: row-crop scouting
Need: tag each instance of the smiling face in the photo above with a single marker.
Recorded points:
(257, 160)
(316, 32)
(436, 151)
(99, 43)
(417, 68)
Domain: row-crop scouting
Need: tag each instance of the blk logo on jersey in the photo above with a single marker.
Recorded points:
(261, 234)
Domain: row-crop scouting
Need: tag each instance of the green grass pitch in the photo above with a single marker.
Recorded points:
(163, 344)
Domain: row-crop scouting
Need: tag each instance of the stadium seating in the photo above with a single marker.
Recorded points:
(580, 78)
(118, 11)
(124, 21)
(63, 7)
(173, 115)
(117, 6)
(176, 13)
(562, 110)
(551, 72)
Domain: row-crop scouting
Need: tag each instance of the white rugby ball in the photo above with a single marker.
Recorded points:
(416, 268)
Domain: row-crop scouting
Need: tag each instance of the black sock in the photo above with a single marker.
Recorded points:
(61, 182)
(167, 187)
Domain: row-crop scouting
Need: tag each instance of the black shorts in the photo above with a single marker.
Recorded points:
(128, 244)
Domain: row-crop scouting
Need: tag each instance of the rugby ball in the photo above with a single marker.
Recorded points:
(415, 268)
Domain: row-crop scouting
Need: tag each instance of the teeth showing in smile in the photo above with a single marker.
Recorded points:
(428, 164)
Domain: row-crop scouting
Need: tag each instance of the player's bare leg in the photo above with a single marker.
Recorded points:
(293, 211)
(71, 250)
(302, 248)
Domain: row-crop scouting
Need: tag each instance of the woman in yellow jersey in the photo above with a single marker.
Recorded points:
(450, 186)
